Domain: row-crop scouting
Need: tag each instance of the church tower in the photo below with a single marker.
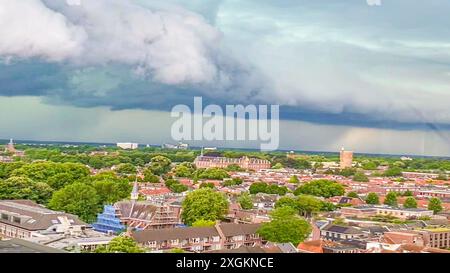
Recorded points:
(10, 147)
(135, 191)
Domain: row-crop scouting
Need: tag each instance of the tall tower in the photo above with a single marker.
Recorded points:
(134, 196)
(135, 191)
(346, 159)
(10, 147)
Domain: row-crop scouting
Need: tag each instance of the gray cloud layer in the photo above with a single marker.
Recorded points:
(326, 61)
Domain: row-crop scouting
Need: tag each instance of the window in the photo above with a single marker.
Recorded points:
(16, 219)
(5, 216)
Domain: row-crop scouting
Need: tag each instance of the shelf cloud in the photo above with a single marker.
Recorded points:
(333, 62)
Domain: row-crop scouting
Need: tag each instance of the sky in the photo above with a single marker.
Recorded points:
(370, 78)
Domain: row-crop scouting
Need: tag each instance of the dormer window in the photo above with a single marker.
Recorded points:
(5, 216)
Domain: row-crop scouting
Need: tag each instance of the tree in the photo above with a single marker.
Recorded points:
(286, 227)
(435, 205)
(394, 171)
(109, 192)
(212, 173)
(278, 166)
(160, 165)
(258, 187)
(234, 168)
(305, 205)
(347, 172)
(203, 223)
(372, 199)
(175, 186)
(25, 188)
(369, 165)
(150, 177)
(178, 188)
(391, 199)
(185, 169)
(207, 185)
(261, 187)
(232, 182)
(205, 204)
(275, 189)
(6, 169)
(245, 201)
(322, 187)
(126, 168)
(294, 179)
(352, 194)
(120, 244)
(360, 177)
(408, 193)
(410, 203)
(60, 180)
(78, 198)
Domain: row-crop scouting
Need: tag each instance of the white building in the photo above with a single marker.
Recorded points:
(128, 146)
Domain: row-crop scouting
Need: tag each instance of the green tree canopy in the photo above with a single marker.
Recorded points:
(410, 203)
(322, 187)
(175, 185)
(150, 177)
(207, 185)
(372, 199)
(79, 198)
(394, 171)
(126, 169)
(435, 205)
(160, 165)
(205, 204)
(347, 172)
(203, 223)
(60, 180)
(286, 227)
(233, 182)
(185, 169)
(262, 187)
(360, 177)
(234, 168)
(305, 205)
(391, 199)
(25, 188)
(294, 179)
(352, 194)
(120, 244)
(212, 173)
(245, 201)
(278, 166)
(109, 192)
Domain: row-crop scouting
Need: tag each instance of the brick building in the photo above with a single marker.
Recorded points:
(26, 219)
(223, 162)
(200, 239)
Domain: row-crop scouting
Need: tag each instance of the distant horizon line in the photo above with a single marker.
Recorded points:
(57, 142)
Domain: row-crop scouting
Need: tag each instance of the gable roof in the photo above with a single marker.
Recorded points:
(144, 236)
(33, 216)
(230, 229)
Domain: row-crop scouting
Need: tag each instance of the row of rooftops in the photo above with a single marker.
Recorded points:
(232, 160)
(30, 216)
(225, 229)
(385, 207)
